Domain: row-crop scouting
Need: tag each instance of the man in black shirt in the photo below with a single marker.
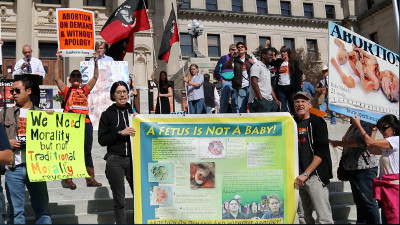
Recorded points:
(315, 165)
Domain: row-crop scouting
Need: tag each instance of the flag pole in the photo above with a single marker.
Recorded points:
(155, 60)
(180, 57)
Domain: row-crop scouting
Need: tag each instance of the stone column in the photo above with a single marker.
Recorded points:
(24, 26)
(72, 63)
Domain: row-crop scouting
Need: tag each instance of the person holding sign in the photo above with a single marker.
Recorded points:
(101, 48)
(75, 98)
(17, 178)
(114, 132)
(386, 187)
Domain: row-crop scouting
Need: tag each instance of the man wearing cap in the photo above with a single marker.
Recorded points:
(323, 94)
(262, 206)
(315, 165)
(262, 97)
(241, 81)
(225, 76)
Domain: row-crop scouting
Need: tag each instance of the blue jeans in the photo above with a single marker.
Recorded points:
(15, 188)
(209, 109)
(285, 96)
(226, 93)
(361, 187)
(197, 106)
(263, 105)
(241, 101)
(324, 107)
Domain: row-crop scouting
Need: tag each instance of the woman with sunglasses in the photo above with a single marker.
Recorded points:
(75, 98)
(114, 132)
(386, 187)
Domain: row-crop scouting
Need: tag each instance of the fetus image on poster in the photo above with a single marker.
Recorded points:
(202, 175)
(160, 172)
(213, 148)
(161, 195)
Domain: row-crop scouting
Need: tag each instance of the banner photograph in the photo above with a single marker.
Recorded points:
(99, 98)
(363, 76)
(54, 146)
(215, 170)
(75, 32)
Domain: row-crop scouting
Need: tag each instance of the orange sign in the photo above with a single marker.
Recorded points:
(75, 32)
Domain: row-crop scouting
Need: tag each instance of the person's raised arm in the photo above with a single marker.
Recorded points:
(371, 142)
(57, 73)
(92, 82)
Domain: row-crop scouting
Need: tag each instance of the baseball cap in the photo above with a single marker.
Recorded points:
(302, 94)
(264, 197)
(325, 68)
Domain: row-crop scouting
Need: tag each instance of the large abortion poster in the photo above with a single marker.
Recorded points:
(75, 32)
(215, 169)
(99, 98)
(54, 146)
(363, 76)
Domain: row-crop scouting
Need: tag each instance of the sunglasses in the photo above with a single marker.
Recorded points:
(16, 91)
(384, 127)
(75, 75)
(240, 46)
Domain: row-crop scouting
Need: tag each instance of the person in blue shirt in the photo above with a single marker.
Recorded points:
(307, 86)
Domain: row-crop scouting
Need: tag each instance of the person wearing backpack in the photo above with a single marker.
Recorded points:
(225, 76)
(75, 98)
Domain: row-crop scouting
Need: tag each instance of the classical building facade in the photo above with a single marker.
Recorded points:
(295, 23)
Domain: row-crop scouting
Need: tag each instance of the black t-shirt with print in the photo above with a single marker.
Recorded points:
(305, 153)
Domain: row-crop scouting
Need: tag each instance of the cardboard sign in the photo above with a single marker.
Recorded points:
(75, 32)
(55, 146)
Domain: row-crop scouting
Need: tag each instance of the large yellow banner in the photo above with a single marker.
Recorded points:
(55, 146)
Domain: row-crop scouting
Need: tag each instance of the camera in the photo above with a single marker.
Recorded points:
(23, 145)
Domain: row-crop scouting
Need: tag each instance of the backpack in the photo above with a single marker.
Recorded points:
(64, 101)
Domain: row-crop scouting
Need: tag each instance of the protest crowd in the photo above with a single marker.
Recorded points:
(273, 82)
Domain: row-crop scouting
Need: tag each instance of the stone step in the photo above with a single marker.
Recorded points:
(65, 194)
(79, 207)
(80, 182)
(339, 186)
(340, 198)
(344, 212)
(92, 218)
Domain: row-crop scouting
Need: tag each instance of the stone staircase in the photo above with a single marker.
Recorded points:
(91, 205)
(84, 205)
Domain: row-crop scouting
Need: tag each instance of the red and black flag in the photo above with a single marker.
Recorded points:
(129, 17)
(170, 36)
(118, 50)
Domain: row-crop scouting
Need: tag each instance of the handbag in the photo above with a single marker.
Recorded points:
(341, 173)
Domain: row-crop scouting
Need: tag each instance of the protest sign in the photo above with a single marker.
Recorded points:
(75, 32)
(46, 101)
(5, 94)
(55, 146)
(187, 167)
(99, 98)
(363, 76)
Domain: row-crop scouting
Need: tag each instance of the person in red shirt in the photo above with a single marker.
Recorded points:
(77, 102)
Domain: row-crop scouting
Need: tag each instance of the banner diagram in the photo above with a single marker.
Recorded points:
(75, 32)
(55, 146)
(363, 76)
(207, 169)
